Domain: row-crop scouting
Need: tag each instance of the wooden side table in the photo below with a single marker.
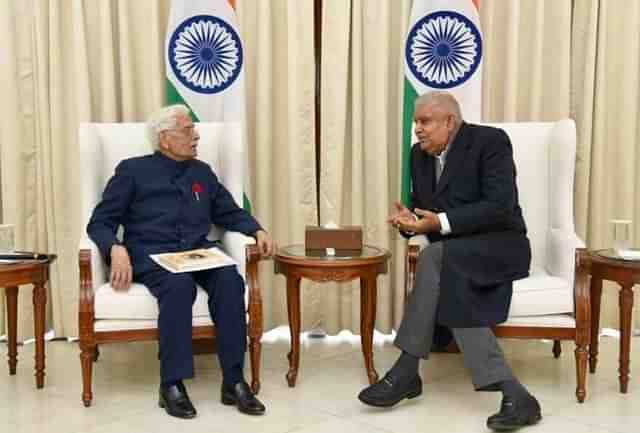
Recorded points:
(607, 265)
(292, 262)
(12, 276)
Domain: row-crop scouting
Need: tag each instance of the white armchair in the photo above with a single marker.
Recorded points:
(108, 316)
(550, 303)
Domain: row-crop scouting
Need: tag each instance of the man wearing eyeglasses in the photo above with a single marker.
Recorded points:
(167, 202)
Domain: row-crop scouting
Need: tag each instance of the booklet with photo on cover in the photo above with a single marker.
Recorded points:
(193, 260)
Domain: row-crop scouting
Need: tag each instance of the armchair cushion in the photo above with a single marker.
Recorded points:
(137, 303)
(136, 324)
(540, 294)
(549, 321)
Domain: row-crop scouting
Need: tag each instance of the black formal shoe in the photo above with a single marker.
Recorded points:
(515, 413)
(175, 400)
(241, 395)
(389, 391)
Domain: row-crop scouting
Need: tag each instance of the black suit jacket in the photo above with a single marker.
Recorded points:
(488, 247)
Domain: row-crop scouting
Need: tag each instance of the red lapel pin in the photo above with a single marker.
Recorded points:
(196, 189)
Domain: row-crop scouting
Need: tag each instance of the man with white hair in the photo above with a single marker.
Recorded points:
(167, 202)
(465, 200)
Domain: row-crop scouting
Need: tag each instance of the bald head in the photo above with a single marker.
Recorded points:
(444, 101)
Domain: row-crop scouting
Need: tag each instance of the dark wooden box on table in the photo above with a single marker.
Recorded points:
(344, 240)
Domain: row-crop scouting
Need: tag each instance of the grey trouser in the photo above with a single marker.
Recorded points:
(482, 355)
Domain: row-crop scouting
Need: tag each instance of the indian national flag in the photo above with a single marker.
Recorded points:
(204, 62)
(443, 51)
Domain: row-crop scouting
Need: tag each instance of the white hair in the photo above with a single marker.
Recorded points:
(163, 119)
(442, 99)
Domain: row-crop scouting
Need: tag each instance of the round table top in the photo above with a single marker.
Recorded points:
(298, 252)
(612, 257)
(41, 259)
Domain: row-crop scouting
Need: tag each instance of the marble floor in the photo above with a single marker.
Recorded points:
(324, 400)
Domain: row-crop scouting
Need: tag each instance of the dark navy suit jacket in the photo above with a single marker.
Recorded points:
(154, 198)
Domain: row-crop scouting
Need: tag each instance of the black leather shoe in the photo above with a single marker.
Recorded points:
(175, 400)
(515, 413)
(241, 395)
(388, 392)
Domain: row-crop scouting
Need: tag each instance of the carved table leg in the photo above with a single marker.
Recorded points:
(293, 307)
(368, 294)
(39, 318)
(12, 324)
(596, 298)
(626, 307)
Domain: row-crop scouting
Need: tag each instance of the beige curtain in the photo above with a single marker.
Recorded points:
(527, 63)
(278, 36)
(361, 107)
(606, 105)
(361, 77)
(67, 61)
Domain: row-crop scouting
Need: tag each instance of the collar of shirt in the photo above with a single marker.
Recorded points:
(443, 155)
(171, 163)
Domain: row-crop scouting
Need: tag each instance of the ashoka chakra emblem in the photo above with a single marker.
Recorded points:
(205, 54)
(443, 49)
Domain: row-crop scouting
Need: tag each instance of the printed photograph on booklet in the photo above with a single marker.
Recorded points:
(193, 260)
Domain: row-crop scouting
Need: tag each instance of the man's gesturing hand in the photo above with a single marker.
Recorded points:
(401, 213)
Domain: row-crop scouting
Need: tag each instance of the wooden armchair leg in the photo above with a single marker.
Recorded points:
(581, 371)
(255, 348)
(557, 349)
(87, 356)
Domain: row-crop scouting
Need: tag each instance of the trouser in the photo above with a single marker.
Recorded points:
(482, 354)
(175, 294)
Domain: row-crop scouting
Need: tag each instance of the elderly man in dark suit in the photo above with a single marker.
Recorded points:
(167, 202)
(465, 201)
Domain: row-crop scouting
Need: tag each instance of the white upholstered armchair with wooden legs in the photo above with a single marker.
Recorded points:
(552, 302)
(107, 316)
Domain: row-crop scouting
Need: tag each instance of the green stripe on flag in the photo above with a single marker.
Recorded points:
(246, 204)
(410, 96)
(173, 97)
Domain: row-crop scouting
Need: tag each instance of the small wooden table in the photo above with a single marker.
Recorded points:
(604, 265)
(292, 262)
(34, 272)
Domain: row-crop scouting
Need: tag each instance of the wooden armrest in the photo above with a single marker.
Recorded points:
(86, 282)
(253, 257)
(410, 268)
(86, 314)
(582, 296)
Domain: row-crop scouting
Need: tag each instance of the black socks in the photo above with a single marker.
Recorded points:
(405, 368)
(513, 389)
(170, 383)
